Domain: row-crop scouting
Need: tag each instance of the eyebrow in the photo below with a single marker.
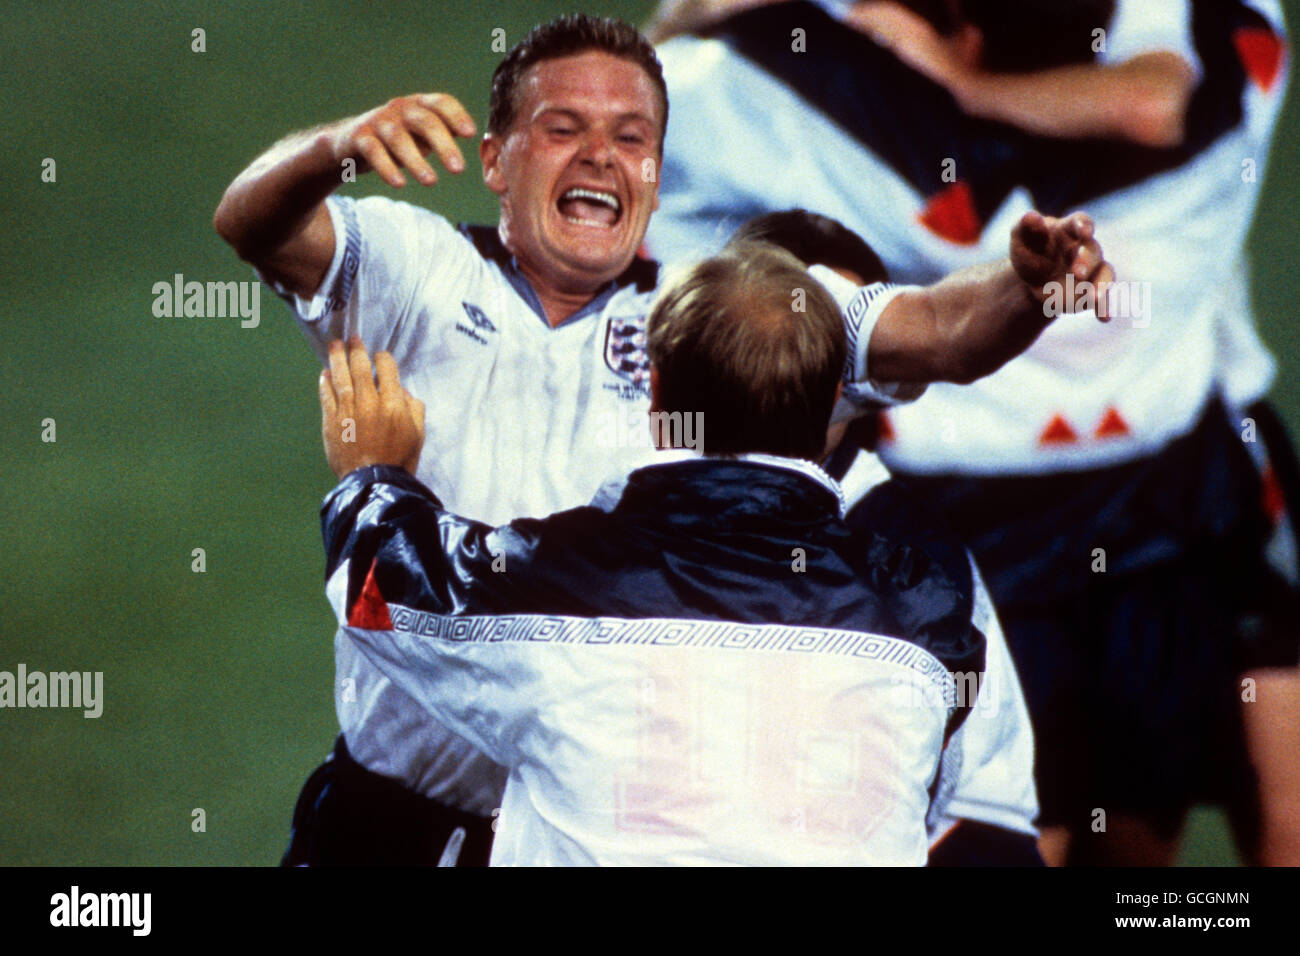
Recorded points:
(574, 114)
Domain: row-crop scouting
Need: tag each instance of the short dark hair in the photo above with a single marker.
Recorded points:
(566, 36)
(752, 342)
(815, 240)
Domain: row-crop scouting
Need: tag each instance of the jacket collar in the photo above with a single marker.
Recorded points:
(739, 484)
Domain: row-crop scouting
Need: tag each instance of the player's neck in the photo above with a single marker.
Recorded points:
(560, 301)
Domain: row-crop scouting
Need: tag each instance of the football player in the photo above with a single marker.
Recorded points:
(525, 340)
(716, 669)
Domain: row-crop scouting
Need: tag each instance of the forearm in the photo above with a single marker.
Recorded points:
(958, 330)
(1143, 100)
(279, 198)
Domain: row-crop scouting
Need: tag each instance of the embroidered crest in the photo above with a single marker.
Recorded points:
(625, 352)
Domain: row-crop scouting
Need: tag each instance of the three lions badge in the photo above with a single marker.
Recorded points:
(625, 351)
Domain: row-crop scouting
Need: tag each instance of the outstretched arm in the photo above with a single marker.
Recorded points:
(973, 322)
(1143, 100)
(273, 214)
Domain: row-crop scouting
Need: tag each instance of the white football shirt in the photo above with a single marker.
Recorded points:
(522, 420)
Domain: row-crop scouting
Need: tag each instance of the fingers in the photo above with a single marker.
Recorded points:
(361, 425)
(403, 149)
(432, 130)
(1087, 259)
(353, 378)
(1079, 226)
(402, 132)
(329, 407)
(390, 381)
(449, 108)
(416, 408)
(365, 398)
(340, 376)
(439, 117)
(374, 153)
(1102, 281)
(1034, 232)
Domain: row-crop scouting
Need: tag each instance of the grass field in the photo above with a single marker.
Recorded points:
(182, 433)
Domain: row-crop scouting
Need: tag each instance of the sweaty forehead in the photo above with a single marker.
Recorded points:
(593, 82)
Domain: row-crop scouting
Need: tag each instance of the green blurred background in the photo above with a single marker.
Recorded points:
(183, 433)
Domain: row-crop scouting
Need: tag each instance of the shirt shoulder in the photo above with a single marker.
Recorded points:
(1150, 26)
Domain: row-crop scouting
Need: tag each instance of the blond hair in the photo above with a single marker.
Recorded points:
(752, 342)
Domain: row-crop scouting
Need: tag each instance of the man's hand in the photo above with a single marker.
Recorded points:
(399, 134)
(973, 322)
(1044, 250)
(363, 426)
(273, 214)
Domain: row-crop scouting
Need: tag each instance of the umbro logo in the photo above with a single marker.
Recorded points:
(478, 318)
(481, 323)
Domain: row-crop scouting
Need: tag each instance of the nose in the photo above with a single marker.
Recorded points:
(598, 148)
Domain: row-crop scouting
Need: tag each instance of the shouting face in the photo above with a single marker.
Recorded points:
(578, 170)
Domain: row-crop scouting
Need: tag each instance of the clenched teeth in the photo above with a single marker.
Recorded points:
(609, 199)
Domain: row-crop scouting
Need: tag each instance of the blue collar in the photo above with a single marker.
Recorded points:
(642, 273)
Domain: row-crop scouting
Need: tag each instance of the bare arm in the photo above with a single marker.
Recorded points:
(973, 322)
(1143, 100)
(273, 214)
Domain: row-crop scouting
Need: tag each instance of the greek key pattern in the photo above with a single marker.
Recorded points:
(668, 632)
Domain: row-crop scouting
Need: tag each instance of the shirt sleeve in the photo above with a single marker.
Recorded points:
(1148, 26)
(393, 262)
(862, 307)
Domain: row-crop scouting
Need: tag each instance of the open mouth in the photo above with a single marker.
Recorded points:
(590, 207)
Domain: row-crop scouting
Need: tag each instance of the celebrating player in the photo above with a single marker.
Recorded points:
(716, 670)
(525, 341)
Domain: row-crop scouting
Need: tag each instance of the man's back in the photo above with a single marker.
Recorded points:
(620, 666)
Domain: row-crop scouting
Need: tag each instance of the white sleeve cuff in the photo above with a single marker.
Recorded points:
(336, 288)
(862, 308)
